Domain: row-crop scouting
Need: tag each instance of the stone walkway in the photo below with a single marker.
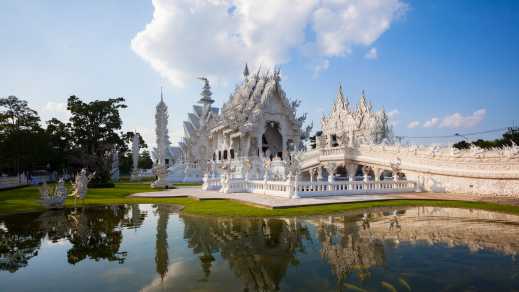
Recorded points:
(274, 202)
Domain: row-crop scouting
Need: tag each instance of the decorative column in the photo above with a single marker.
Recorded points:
(259, 141)
(319, 173)
(331, 168)
(352, 170)
(365, 172)
(350, 140)
(313, 173)
(378, 171)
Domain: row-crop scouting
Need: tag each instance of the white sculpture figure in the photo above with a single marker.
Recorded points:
(476, 151)
(61, 191)
(454, 151)
(413, 149)
(55, 199)
(81, 184)
(225, 178)
(395, 167)
(161, 132)
(44, 190)
(115, 165)
(135, 156)
(247, 165)
(434, 150)
(511, 151)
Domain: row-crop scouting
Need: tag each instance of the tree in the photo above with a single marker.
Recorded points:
(145, 161)
(125, 160)
(462, 145)
(511, 136)
(94, 127)
(22, 140)
(60, 145)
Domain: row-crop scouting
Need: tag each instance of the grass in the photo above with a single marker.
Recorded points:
(26, 200)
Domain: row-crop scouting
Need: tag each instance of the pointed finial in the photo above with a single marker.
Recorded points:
(161, 94)
(246, 71)
(206, 92)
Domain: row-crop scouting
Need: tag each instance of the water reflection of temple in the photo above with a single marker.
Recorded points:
(345, 250)
(471, 228)
(259, 251)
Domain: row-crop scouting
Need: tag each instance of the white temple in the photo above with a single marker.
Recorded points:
(347, 122)
(257, 121)
(254, 144)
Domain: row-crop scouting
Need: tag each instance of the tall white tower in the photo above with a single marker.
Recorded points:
(163, 143)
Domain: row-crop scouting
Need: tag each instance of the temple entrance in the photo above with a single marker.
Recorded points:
(272, 141)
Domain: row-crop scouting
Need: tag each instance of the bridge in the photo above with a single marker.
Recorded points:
(432, 168)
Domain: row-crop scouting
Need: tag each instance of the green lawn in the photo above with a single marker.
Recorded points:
(26, 199)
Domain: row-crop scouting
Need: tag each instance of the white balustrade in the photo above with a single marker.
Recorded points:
(12, 181)
(324, 188)
(303, 189)
(211, 184)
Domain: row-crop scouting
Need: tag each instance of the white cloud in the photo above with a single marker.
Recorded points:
(457, 120)
(341, 24)
(322, 66)
(431, 123)
(413, 124)
(188, 38)
(393, 117)
(372, 54)
(55, 110)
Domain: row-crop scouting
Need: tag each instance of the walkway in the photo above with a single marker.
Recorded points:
(273, 202)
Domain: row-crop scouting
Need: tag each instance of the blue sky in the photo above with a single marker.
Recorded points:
(456, 61)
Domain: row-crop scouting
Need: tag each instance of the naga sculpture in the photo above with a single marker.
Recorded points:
(81, 184)
(54, 199)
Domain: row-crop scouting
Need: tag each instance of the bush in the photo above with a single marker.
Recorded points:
(98, 185)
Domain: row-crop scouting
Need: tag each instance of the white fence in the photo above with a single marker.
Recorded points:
(323, 188)
(12, 181)
(292, 188)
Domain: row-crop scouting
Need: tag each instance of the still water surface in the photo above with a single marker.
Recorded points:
(154, 248)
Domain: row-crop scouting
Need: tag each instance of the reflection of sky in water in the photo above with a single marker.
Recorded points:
(149, 248)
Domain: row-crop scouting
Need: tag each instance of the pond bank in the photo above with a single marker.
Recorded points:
(27, 200)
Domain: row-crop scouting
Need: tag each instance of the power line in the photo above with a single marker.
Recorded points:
(457, 134)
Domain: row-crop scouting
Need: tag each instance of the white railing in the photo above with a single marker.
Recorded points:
(12, 181)
(274, 188)
(324, 188)
(332, 151)
(292, 188)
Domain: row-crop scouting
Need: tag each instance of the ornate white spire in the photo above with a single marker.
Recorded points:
(161, 130)
(341, 102)
(206, 92)
(363, 104)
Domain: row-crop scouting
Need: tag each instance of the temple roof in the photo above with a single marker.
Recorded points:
(251, 95)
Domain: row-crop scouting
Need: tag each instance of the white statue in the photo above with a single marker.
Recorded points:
(81, 184)
(115, 165)
(135, 152)
(54, 199)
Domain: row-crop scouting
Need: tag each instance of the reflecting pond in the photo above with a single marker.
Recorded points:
(154, 247)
